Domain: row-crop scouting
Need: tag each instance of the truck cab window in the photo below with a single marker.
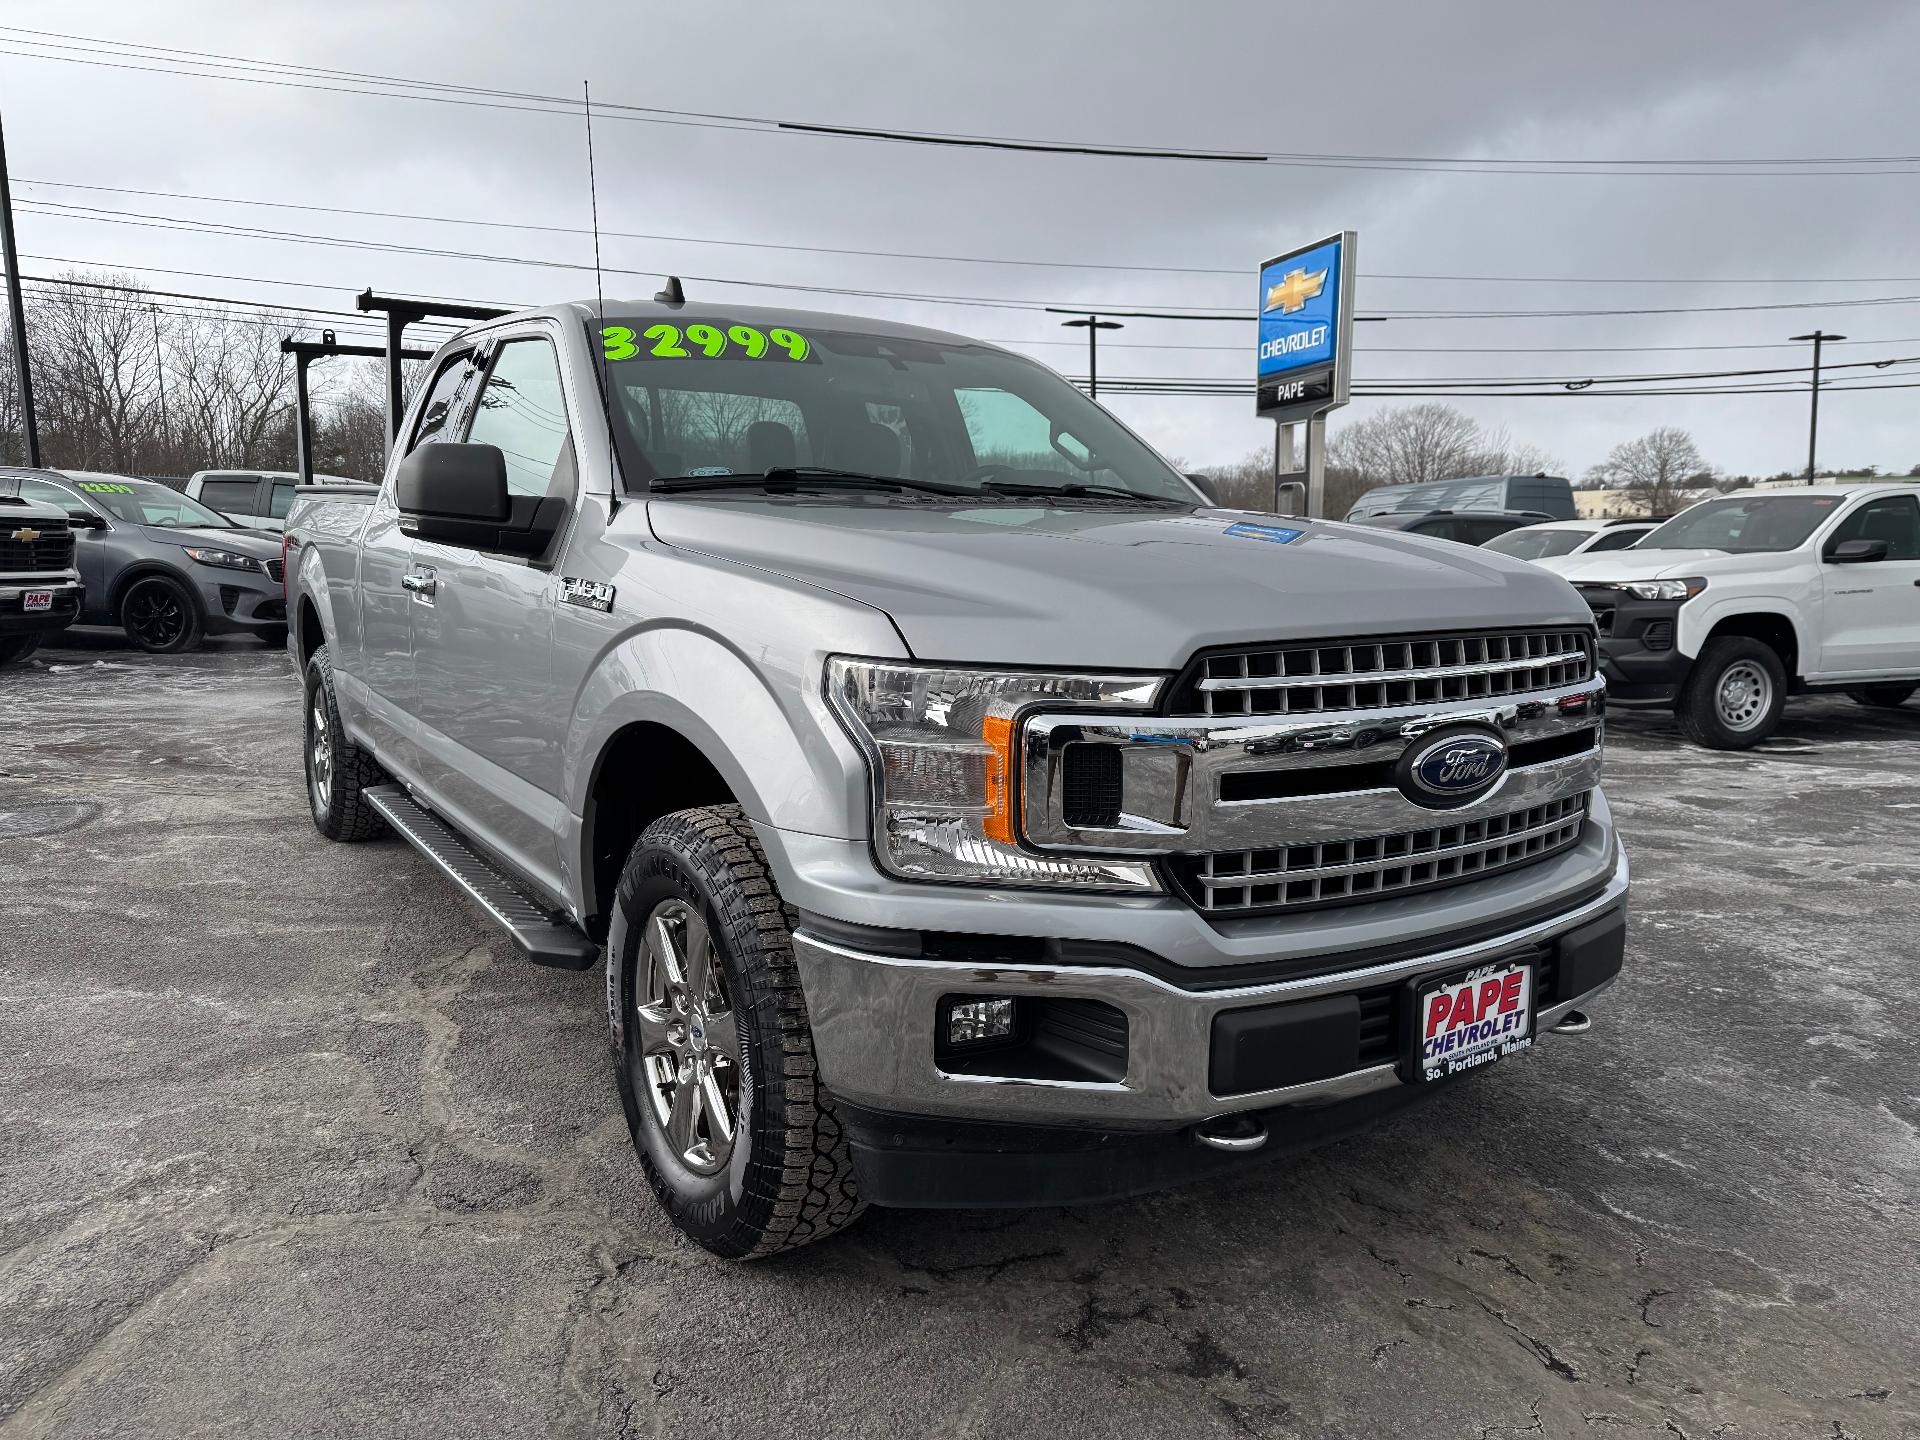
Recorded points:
(1895, 519)
(440, 401)
(230, 495)
(280, 501)
(523, 411)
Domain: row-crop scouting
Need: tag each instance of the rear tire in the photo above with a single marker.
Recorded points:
(711, 1044)
(1882, 697)
(338, 771)
(160, 615)
(1734, 695)
(18, 647)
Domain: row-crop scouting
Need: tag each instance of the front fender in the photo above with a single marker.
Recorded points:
(761, 719)
(1697, 622)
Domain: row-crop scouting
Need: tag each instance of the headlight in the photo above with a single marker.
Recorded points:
(1664, 589)
(942, 744)
(225, 559)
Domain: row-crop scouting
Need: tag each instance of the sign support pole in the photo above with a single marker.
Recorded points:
(1316, 508)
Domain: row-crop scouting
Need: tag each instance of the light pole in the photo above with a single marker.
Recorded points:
(160, 374)
(23, 369)
(1819, 338)
(1093, 324)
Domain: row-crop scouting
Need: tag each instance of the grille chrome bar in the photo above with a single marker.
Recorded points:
(1267, 682)
(1404, 863)
(1394, 670)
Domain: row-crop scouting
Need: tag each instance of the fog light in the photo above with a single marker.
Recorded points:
(970, 1022)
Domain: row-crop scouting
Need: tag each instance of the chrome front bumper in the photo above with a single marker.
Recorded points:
(873, 1018)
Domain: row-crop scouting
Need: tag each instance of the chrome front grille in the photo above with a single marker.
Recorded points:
(1295, 877)
(1388, 672)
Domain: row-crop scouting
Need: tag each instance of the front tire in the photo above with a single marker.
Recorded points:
(338, 771)
(1733, 698)
(1882, 697)
(160, 615)
(18, 647)
(711, 1044)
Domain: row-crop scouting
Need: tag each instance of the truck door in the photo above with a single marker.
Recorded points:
(386, 584)
(491, 728)
(1873, 609)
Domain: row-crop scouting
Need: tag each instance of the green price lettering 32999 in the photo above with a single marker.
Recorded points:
(707, 339)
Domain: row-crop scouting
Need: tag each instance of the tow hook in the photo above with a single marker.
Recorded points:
(1237, 1133)
(1574, 1022)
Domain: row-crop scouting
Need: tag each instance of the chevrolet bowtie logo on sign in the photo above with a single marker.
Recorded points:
(29, 536)
(1295, 289)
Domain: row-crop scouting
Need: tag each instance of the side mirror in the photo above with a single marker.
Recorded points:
(1859, 552)
(457, 494)
(1204, 484)
(85, 520)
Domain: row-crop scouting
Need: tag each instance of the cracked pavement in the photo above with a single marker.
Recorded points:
(290, 1144)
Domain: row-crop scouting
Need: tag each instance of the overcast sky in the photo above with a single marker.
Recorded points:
(1624, 80)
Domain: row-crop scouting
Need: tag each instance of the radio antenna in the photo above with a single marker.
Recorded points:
(600, 303)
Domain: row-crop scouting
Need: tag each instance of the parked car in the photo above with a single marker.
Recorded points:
(40, 590)
(1737, 603)
(1467, 527)
(1549, 496)
(971, 813)
(160, 565)
(1557, 541)
(258, 499)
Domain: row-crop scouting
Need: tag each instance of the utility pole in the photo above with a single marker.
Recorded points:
(160, 373)
(1819, 338)
(1092, 324)
(10, 252)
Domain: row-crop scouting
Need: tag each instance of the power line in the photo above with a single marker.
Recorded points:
(85, 50)
(1236, 272)
(151, 220)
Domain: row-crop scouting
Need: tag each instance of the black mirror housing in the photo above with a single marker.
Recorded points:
(85, 520)
(457, 494)
(1859, 552)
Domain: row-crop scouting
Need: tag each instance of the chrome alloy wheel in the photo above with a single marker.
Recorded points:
(1743, 696)
(689, 1053)
(319, 755)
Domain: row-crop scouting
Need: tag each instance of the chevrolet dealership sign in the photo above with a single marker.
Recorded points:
(1306, 329)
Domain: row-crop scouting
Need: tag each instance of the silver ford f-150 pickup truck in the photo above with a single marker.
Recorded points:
(970, 812)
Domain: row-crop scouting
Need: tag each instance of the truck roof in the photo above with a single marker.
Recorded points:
(584, 311)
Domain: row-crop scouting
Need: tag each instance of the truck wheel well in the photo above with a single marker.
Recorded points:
(310, 635)
(1772, 630)
(646, 771)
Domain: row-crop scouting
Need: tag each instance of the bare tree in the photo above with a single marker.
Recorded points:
(350, 423)
(96, 370)
(1414, 443)
(1657, 470)
(234, 390)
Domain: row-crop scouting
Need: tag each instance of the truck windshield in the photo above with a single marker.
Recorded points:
(1744, 524)
(141, 502)
(717, 396)
(1535, 544)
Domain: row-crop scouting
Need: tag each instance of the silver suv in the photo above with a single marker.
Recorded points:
(969, 811)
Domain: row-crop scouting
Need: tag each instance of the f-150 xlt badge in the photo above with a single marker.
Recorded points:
(588, 594)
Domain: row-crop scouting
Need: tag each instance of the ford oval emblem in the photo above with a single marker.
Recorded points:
(1454, 767)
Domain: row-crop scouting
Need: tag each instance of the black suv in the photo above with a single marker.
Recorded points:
(1468, 527)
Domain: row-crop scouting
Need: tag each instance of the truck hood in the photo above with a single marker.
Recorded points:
(1663, 564)
(1087, 587)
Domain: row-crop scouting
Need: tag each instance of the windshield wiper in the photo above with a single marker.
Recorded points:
(788, 477)
(1076, 489)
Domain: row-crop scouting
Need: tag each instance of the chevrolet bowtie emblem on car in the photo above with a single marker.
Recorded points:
(29, 536)
(1296, 287)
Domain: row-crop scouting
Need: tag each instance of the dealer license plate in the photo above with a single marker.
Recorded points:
(39, 600)
(1470, 1020)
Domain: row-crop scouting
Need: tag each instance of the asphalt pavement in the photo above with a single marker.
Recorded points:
(292, 1145)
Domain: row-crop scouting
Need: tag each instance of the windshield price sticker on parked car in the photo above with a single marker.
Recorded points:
(101, 487)
(704, 339)
(1474, 1019)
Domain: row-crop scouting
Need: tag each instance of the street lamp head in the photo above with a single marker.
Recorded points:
(1817, 335)
(1092, 322)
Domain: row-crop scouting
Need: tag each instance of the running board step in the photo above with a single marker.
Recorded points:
(544, 936)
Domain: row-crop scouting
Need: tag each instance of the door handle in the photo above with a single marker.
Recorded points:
(419, 584)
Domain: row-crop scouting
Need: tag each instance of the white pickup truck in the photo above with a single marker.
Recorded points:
(1737, 603)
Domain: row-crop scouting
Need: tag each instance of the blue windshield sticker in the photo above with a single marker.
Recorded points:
(1275, 533)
